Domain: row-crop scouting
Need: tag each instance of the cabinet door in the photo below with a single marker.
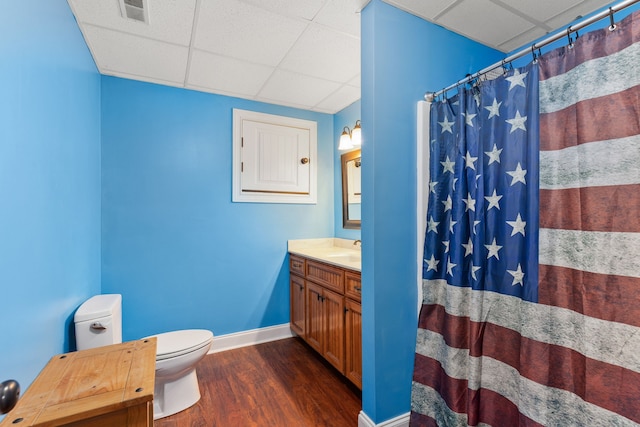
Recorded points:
(334, 329)
(353, 342)
(297, 307)
(315, 317)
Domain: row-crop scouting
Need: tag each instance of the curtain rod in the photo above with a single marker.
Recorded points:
(430, 96)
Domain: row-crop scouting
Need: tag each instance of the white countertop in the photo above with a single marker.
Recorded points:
(340, 252)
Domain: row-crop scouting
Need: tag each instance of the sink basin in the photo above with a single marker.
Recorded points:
(345, 257)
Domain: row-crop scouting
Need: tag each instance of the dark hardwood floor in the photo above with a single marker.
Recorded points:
(277, 384)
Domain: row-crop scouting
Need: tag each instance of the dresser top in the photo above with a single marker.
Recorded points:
(83, 384)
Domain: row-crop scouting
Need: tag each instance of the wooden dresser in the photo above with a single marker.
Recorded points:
(325, 311)
(102, 387)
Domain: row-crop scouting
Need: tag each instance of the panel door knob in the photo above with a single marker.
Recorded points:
(304, 160)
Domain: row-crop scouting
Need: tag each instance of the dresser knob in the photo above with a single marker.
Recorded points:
(9, 393)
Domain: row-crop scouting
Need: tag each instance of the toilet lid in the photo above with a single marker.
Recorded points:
(176, 343)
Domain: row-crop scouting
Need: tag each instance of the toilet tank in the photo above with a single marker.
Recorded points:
(98, 321)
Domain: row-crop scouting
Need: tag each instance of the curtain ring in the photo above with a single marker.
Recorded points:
(569, 37)
(469, 78)
(613, 24)
(533, 52)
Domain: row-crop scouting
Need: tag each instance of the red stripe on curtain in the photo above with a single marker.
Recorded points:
(617, 208)
(603, 118)
(422, 420)
(606, 297)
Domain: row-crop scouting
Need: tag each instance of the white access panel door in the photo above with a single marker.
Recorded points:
(274, 158)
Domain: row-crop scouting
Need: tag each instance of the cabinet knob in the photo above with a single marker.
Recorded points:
(304, 160)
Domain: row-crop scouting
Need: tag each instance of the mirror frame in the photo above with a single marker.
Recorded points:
(346, 222)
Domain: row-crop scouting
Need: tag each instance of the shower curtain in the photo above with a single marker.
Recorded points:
(531, 274)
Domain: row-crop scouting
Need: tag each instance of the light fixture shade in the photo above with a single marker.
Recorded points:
(356, 135)
(345, 140)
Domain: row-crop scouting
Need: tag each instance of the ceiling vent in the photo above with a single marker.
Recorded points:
(135, 9)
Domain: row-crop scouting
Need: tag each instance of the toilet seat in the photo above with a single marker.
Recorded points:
(177, 343)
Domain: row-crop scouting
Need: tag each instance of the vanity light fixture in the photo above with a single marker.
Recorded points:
(345, 139)
(356, 135)
(350, 138)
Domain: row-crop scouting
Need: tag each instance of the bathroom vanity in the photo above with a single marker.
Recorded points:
(325, 289)
(101, 387)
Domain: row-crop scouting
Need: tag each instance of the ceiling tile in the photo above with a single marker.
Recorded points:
(217, 73)
(292, 88)
(583, 9)
(236, 29)
(136, 56)
(342, 15)
(169, 20)
(306, 9)
(523, 39)
(324, 53)
(340, 99)
(425, 9)
(541, 10)
(482, 26)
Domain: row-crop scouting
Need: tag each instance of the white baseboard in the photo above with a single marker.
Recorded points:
(399, 421)
(251, 337)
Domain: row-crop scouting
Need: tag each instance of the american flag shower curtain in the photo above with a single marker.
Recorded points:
(531, 275)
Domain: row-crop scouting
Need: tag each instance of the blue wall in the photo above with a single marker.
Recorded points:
(402, 57)
(49, 182)
(346, 117)
(173, 244)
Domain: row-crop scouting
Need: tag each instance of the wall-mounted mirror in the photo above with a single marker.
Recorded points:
(351, 166)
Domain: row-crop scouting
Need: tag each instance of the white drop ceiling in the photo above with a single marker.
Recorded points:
(298, 53)
(505, 25)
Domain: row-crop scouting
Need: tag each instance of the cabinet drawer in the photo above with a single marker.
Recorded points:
(326, 275)
(353, 285)
(296, 265)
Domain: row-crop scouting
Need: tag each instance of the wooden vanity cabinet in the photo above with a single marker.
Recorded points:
(353, 328)
(297, 311)
(332, 314)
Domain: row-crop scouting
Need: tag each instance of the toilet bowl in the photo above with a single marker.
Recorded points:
(177, 353)
(98, 322)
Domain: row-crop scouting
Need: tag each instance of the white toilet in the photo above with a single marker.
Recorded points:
(98, 322)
